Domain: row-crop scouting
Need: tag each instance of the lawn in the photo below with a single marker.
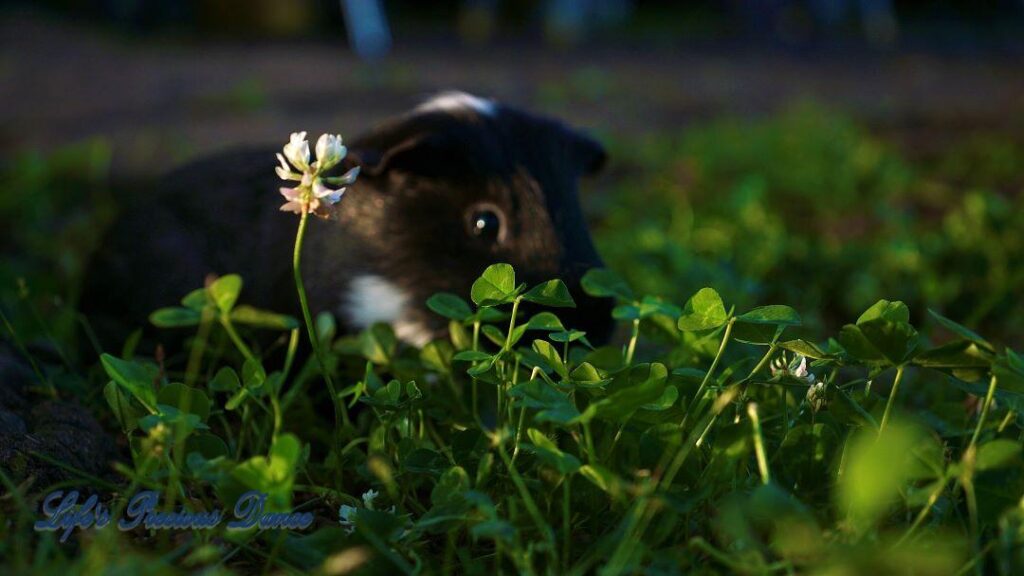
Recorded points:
(818, 370)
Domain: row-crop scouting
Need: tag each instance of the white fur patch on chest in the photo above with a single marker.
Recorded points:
(455, 101)
(371, 299)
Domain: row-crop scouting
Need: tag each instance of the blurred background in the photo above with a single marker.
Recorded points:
(817, 153)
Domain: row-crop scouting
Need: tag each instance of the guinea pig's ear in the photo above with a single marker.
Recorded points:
(422, 154)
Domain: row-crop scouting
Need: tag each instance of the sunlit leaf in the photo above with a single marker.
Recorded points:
(551, 293)
(703, 311)
(497, 285)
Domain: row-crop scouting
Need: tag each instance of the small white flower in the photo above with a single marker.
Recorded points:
(345, 179)
(329, 151)
(313, 193)
(297, 151)
(801, 369)
(322, 192)
(294, 200)
(285, 171)
(816, 396)
(347, 517)
(778, 367)
(368, 497)
(796, 368)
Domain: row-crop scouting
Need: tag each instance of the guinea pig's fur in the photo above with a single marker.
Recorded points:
(404, 231)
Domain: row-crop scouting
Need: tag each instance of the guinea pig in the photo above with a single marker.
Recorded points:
(444, 190)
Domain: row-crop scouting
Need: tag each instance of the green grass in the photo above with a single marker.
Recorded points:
(765, 411)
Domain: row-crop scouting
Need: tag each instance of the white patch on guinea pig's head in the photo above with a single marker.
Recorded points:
(455, 101)
(371, 299)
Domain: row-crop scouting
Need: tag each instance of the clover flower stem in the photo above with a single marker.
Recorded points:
(632, 341)
(892, 399)
(984, 411)
(340, 414)
(762, 457)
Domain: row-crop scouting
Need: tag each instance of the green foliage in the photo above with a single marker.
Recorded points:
(842, 435)
(546, 454)
(808, 207)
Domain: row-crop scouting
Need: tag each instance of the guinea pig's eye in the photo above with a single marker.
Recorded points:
(487, 223)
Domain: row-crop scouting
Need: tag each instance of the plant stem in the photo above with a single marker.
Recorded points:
(589, 440)
(972, 513)
(984, 412)
(236, 339)
(473, 383)
(892, 399)
(711, 370)
(566, 524)
(512, 323)
(195, 356)
(340, 414)
(762, 458)
(923, 514)
(531, 506)
(522, 417)
(632, 342)
(764, 360)
(1006, 421)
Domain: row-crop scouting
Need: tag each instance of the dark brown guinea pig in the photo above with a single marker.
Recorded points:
(446, 189)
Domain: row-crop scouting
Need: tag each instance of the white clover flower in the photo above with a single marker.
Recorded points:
(778, 365)
(297, 151)
(284, 171)
(329, 151)
(816, 396)
(313, 194)
(801, 369)
(347, 517)
(796, 368)
(368, 497)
